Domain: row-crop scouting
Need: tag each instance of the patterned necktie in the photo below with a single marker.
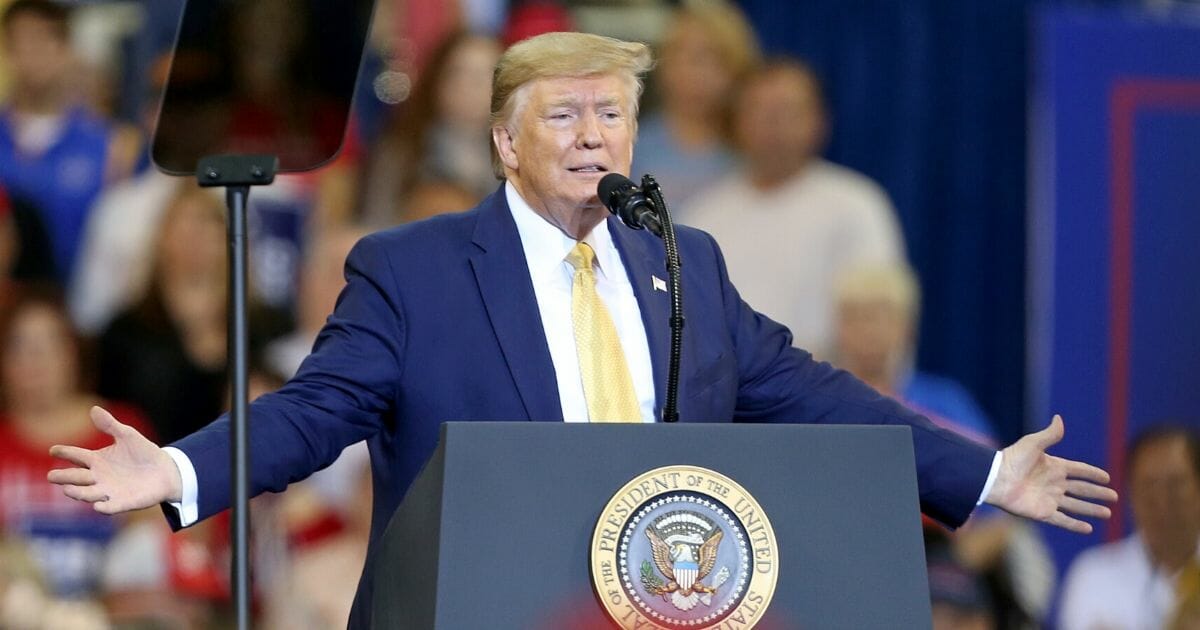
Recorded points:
(607, 385)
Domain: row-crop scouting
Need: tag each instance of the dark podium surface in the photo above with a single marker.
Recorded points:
(495, 532)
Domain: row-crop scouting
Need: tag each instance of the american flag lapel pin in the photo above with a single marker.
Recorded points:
(659, 284)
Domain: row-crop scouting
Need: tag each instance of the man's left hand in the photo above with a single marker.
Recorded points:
(1042, 487)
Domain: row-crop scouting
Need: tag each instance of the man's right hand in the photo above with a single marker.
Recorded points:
(131, 474)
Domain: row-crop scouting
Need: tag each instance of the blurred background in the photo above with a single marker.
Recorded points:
(985, 208)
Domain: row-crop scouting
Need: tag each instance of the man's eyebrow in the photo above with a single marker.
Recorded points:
(574, 101)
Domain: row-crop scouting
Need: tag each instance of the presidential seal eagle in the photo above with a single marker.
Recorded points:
(684, 564)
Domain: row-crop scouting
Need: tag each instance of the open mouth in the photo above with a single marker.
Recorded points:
(588, 168)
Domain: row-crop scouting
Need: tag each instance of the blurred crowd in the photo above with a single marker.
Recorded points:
(113, 290)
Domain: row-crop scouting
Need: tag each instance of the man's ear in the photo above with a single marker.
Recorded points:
(505, 147)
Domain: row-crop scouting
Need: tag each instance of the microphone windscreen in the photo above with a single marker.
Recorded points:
(611, 183)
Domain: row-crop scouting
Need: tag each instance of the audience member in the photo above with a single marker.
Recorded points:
(318, 587)
(321, 280)
(959, 597)
(117, 252)
(707, 49)
(1132, 583)
(23, 596)
(789, 222)
(530, 18)
(877, 309)
(44, 402)
(53, 152)
(153, 579)
(166, 354)
(430, 198)
(33, 255)
(99, 32)
(115, 256)
(440, 136)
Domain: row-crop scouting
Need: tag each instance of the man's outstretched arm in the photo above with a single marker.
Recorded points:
(779, 382)
(339, 397)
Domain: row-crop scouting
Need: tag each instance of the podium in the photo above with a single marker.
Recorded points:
(498, 529)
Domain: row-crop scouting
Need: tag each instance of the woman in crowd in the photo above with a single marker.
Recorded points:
(440, 137)
(167, 353)
(45, 401)
(707, 48)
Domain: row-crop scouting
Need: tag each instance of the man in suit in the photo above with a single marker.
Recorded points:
(536, 305)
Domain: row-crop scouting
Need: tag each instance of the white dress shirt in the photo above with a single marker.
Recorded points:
(546, 248)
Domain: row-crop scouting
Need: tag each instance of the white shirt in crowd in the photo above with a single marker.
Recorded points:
(786, 247)
(1116, 586)
(117, 254)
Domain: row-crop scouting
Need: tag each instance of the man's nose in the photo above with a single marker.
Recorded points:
(590, 136)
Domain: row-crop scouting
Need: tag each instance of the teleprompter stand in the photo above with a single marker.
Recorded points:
(237, 173)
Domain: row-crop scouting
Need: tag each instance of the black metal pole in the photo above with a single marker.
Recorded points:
(675, 290)
(236, 197)
(237, 173)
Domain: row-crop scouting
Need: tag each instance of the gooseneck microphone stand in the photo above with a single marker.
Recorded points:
(654, 192)
(237, 173)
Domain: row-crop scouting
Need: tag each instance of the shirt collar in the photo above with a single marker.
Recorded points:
(546, 247)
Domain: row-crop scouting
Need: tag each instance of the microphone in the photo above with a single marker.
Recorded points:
(623, 198)
(645, 208)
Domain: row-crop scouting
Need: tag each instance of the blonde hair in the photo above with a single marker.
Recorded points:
(895, 284)
(563, 55)
(726, 27)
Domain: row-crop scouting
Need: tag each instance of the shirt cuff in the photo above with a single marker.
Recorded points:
(987, 485)
(188, 506)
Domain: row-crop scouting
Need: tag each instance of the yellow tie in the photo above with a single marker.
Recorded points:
(607, 385)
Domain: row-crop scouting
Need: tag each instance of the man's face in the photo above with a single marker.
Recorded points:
(872, 337)
(566, 135)
(464, 92)
(1165, 495)
(36, 51)
(779, 123)
(692, 71)
(39, 359)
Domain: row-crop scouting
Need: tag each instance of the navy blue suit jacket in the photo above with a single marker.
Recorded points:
(439, 322)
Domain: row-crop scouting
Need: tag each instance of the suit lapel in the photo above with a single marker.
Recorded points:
(644, 260)
(507, 290)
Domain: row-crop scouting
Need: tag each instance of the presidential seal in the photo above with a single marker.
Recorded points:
(684, 547)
